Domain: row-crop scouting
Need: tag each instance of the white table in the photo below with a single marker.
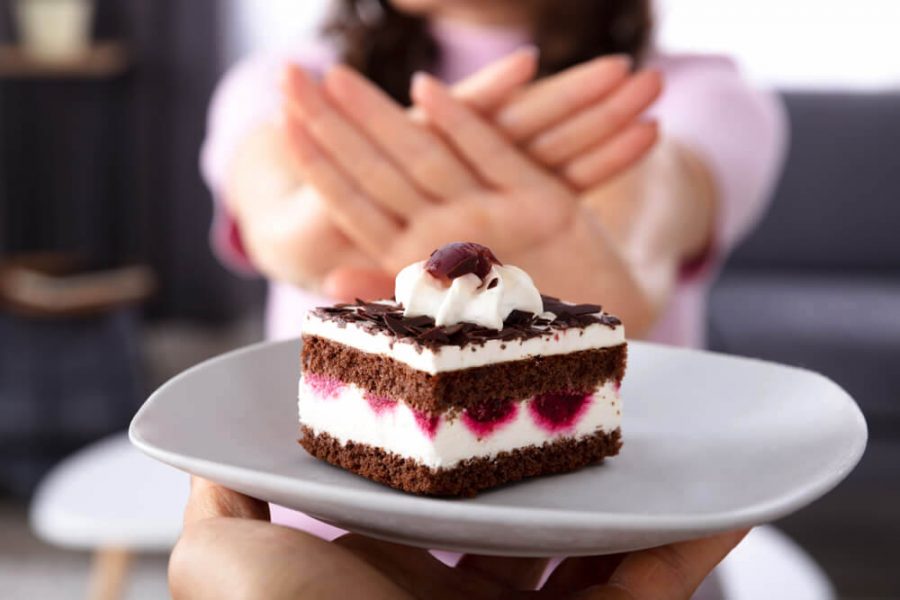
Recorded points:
(112, 500)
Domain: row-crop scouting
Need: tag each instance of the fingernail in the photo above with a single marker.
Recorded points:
(626, 60)
(650, 124)
(337, 70)
(420, 80)
(531, 50)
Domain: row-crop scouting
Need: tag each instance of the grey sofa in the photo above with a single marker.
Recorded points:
(818, 285)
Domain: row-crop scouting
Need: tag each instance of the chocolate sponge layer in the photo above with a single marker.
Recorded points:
(580, 371)
(468, 477)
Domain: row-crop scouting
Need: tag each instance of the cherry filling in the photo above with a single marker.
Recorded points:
(380, 404)
(485, 418)
(427, 423)
(560, 411)
(324, 387)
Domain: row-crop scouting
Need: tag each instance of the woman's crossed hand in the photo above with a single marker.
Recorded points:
(498, 163)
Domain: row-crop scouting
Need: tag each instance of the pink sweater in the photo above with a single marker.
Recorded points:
(739, 131)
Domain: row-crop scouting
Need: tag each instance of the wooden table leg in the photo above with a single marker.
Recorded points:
(109, 573)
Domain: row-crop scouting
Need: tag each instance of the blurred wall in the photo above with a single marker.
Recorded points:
(253, 25)
(160, 212)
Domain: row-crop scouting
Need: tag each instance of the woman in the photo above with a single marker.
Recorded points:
(328, 188)
(670, 221)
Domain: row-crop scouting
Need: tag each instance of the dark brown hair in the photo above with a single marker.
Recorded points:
(388, 46)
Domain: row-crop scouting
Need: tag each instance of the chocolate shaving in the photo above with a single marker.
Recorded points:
(451, 330)
(388, 318)
(434, 335)
(396, 325)
(519, 317)
(585, 309)
(420, 321)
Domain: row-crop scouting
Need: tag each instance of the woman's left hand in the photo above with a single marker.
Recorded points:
(407, 188)
(399, 190)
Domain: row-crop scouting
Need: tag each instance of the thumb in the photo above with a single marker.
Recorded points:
(348, 283)
(210, 500)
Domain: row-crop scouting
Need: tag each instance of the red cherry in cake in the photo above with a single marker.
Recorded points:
(324, 387)
(485, 418)
(560, 411)
(460, 258)
(380, 404)
(427, 423)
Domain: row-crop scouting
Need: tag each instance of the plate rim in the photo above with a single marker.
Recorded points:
(400, 504)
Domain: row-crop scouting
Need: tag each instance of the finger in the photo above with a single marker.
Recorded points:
(575, 574)
(370, 169)
(358, 217)
(493, 85)
(521, 574)
(673, 571)
(418, 571)
(599, 122)
(235, 558)
(613, 157)
(424, 157)
(492, 156)
(553, 99)
(346, 284)
(209, 500)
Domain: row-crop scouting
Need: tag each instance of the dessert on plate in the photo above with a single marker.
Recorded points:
(469, 379)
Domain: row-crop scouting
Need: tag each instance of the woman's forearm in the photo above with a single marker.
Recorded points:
(629, 239)
(663, 209)
(584, 265)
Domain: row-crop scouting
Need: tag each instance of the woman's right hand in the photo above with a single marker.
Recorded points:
(583, 124)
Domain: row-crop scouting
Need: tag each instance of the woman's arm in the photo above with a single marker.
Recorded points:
(530, 216)
(623, 243)
(699, 192)
(284, 229)
(631, 236)
(289, 237)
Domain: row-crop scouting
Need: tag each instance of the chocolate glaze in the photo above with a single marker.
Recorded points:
(422, 331)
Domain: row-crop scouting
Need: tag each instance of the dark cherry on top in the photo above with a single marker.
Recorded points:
(461, 258)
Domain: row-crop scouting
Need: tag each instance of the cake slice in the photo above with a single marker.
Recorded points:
(469, 380)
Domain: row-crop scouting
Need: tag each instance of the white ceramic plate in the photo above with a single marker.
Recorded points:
(712, 443)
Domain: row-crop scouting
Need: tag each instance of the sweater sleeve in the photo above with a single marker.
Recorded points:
(737, 130)
(247, 97)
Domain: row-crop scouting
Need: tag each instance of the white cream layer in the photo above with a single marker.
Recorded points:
(452, 358)
(469, 298)
(347, 416)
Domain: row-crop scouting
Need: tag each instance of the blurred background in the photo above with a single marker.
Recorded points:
(108, 286)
